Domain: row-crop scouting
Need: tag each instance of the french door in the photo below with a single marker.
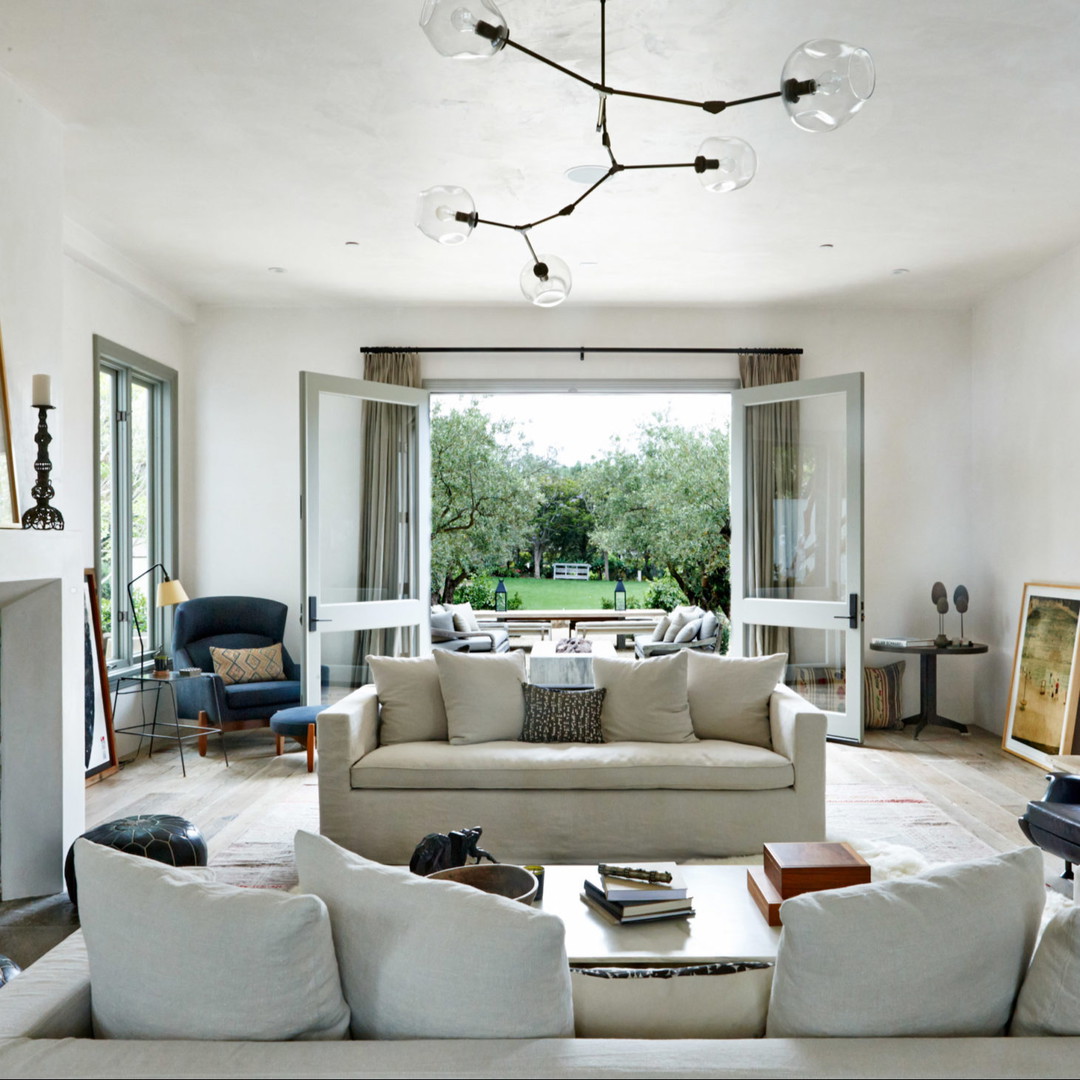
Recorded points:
(797, 537)
(365, 509)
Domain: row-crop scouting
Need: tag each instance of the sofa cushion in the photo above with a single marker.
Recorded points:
(899, 958)
(698, 766)
(645, 700)
(482, 695)
(433, 959)
(729, 696)
(464, 617)
(271, 695)
(562, 716)
(157, 936)
(678, 618)
(1049, 1002)
(660, 631)
(248, 665)
(410, 699)
(689, 632)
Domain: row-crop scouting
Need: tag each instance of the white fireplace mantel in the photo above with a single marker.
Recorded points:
(42, 782)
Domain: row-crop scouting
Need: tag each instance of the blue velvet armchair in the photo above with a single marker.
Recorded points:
(231, 622)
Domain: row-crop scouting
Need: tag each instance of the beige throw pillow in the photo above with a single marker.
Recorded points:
(645, 700)
(941, 954)
(424, 959)
(464, 618)
(410, 699)
(248, 665)
(482, 695)
(1049, 1002)
(173, 956)
(729, 695)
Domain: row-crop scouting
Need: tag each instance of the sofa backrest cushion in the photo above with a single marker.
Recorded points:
(645, 700)
(679, 617)
(690, 631)
(729, 695)
(173, 956)
(1049, 1002)
(425, 959)
(941, 954)
(482, 695)
(410, 699)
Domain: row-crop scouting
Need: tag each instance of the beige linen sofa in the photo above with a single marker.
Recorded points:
(45, 1031)
(573, 802)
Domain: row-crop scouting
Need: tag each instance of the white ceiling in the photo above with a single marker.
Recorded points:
(211, 139)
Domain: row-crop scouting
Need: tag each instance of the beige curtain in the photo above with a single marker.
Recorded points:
(387, 474)
(772, 486)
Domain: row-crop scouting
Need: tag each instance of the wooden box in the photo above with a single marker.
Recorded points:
(797, 868)
(765, 895)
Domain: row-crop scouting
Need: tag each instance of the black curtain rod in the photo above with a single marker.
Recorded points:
(581, 350)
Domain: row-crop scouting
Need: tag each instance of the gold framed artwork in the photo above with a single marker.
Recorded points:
(9, 499)
(1045, 686)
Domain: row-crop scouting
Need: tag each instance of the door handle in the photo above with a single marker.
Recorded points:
(852, 616)
(312, 617)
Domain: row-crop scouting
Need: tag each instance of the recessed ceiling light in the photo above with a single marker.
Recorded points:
(901, 270)
(825, 245)
(586, 174)
(276, 269)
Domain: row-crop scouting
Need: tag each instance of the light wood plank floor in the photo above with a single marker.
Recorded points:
(969, 777)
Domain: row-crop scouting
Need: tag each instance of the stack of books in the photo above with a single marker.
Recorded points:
(793, 869)
(625, 900)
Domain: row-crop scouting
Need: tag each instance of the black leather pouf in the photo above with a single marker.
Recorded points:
(165, 838)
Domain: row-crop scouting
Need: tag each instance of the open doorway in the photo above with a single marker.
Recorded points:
(573, 495)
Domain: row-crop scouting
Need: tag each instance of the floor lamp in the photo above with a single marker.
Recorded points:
(169, 592)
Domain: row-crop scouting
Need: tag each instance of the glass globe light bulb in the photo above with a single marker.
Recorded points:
(446, 214)
(735, 164)
(825, 83)
(545, 282)
(464, 29)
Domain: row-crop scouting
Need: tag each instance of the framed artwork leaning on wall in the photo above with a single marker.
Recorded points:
(9, 500)
(1045, 688)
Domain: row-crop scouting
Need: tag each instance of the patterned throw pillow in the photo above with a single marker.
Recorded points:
(883, 701)
(248, 665)
(557, 716)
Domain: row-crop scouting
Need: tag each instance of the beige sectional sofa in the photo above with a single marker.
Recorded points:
(45, 1031)
(572, 802)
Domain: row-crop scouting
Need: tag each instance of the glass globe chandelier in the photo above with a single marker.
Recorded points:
(823, 84)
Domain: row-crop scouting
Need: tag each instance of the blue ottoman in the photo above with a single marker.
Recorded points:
(298, 723)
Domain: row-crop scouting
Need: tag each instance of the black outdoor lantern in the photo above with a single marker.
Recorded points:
(500, 596)
(620, 596)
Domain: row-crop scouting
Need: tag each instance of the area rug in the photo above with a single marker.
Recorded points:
(895, 829)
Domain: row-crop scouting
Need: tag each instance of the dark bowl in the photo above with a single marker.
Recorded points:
(501, 879)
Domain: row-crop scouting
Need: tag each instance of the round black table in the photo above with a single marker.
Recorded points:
(928, 655)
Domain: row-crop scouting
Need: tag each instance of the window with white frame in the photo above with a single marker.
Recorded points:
(135, 440)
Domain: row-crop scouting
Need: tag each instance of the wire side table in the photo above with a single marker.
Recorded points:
(140, 684)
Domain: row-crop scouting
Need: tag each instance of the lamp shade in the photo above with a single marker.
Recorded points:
(170, 592)
(735, 164)
(546, 282)
(842, 77)
(446, 214)
(452, 27)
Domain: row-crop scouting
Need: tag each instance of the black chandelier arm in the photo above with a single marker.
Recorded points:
(564, 212)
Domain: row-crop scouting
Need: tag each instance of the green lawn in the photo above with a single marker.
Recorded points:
(546, 594)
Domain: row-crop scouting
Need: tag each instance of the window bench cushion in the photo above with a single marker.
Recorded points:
(705, 765)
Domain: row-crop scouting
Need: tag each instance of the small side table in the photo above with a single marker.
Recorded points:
(141, 684)
(928, 655)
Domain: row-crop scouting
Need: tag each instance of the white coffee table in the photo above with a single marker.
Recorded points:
(728, 926)
(551, 668)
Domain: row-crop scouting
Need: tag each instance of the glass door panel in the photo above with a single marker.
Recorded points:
(366, 524)
(797, 518)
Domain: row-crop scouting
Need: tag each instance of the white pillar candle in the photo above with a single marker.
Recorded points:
(42, 391)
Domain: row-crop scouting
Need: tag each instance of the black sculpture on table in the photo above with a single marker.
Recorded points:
(437, 851)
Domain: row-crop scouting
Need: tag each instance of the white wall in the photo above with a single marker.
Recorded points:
(1025, 386)
(243, 475)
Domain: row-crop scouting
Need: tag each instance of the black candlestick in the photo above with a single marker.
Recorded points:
(43, 516)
